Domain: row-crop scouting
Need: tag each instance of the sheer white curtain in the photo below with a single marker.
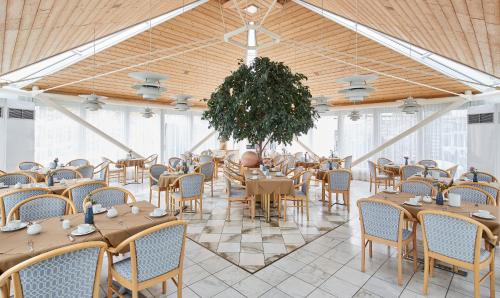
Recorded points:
(144, 133)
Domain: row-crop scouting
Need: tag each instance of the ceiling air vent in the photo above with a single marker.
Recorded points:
(480, 118)
(21, 114)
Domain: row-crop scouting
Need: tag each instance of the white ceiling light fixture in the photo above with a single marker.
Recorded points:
(320, 104)
(354, 116)
(410, 106)
(148, 113)
(93, 102)
(150, 88)
(358, 88)
(182, 102)
(251, 9)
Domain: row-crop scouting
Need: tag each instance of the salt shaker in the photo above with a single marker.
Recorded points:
(66, 224)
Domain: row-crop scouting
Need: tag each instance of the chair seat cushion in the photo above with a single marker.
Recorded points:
(238, 192)
(299, 193)
(123, 268)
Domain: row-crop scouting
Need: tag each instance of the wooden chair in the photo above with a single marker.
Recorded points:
(115, 170)
(237, 195)
(148, 162)
(28, 165)
(417, 187)
(86, 171)
(78, 192)
(14, 178)
(173, 162)
(339, 182)
(205, 158)
(190, 189)
(207, 169)
(300, 197)
(493, 191)
(110, 196)
(11, 199)
(456, 239)
(377, 178)
(155, 171)
(66, 174)
(156, 255)
(428, 163)
(383, 161)
(325, 165)
(70, 271)
(101, 172)
(471, 194)
(79, 162)
(481, 176)
(442, 173)
(411, 170)
(384, 222)
(41, 207)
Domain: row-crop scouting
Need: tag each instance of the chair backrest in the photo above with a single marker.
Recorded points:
(8, 201)
(410, 170)
(381, 219)
(86, 171)
(471, 194)
(191, 185)
(41, 207)
(14, 178)
(71, 271)
(110, 196)
(174, 161)
(383, 161)
(348, 162)
(428, 163)
(306, 182)
(372, 167)
(299, 156)
(417, 187)
(339, 180)
(493, 191)
(101, 171)
(206, 153)
(28, 165)
(442, 173)
(207, 169)
(451, 235)
(205, 158)
(155, 171)
(77, 193)
(481, 176)
(60, 174)
(151, 160)
(157, 250)
(79, 162)
(452, 171)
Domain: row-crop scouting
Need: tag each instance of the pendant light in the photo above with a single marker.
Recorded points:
(92, 101)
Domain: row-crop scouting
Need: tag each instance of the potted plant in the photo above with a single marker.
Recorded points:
(263, 102)
(439, 196)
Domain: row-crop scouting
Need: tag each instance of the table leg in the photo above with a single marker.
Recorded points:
(124, 175)
(322, 190)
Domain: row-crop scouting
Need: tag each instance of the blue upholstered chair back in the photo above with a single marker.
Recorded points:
(450, 236)
(80, 192)
(27, 165)
(207, 169)
(12, 179)
(348, 162)
(339, 180)
(325, 165)
(65, 174)
(481, 176)
(491, 190)
(67, 275)
(410, 170)
(86, 171)
(442, 173)
(306, 180)
(78, 162)
(156, 171)
(159, 252)
(470, 194)
(205, 158)
(380, 220)
(191, 185)
(418, 188)
(110, 196)
(12, 199)
(174, 161)
(428, 163)
(43, 207)
(383, 161)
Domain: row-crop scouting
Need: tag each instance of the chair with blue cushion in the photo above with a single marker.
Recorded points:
(70, 271)
(456, 239)
(300, 197)
(79, 162)
(155, 171)
(101, 172)
(428, 163)
(110, 196)
(439, 172)
(206, 158)
(338, 182)
(66, 174)
(148, 162)
(382, 161)
(417, 188)
(156, 255)
(236, 193)
(411, 170)
(11, 199)
(471, 194)
(348, 162)
(173, 162)
(28, 165)
(481, 176)
(86, 171)
(41, 207)
(377, 176)
(384, 222)
(490, 189)
(14, 178)
(190, 189)
(77, 193)
(207, 169)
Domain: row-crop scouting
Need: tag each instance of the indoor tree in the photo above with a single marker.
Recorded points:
(263, 102)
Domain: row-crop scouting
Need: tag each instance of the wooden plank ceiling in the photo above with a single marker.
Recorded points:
(32, 30)
(200, 71)
(467, 31)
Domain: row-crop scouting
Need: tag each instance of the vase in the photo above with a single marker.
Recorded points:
(406, 161)
(474, 177)
(89, 216)
(439, 198)
(50, 180)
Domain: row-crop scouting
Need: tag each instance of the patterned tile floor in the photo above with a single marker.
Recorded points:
(328, 266)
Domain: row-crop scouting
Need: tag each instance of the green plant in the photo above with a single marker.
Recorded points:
(264, 102)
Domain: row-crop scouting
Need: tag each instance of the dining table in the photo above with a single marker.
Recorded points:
(135, 163)
(58, 187)
(259, 185)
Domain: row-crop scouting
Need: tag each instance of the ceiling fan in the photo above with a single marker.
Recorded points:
(148, 113)
(150, 88)
(93, 102)
(182, 102)
(320, 104)
(410, 106)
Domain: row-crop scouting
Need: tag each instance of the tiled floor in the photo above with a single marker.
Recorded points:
(328, 266)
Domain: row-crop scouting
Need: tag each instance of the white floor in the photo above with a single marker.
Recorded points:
(326, 267)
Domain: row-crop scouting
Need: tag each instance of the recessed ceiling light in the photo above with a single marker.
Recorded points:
(251, 9)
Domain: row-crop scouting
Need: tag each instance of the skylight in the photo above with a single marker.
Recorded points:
(468, 75)
(31, 73)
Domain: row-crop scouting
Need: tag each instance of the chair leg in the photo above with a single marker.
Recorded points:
(400, 266)
(164, 287)
(284, 209)
(179, 285)
(492, 279)
(135, 293)
(347, 202)
(159, 197)
(110, 278)
(370, 184)
(363, 253)
(150, 195)
(212, 187)
(201, 207)
(370, 248)
(426, 274)
(307, 208)
(228, 210)
(414, 252)
(431, 267)
(477, 279)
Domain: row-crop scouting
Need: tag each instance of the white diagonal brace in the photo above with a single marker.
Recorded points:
(44, 99)
(458, 103)
(306, 147)
(202, 141)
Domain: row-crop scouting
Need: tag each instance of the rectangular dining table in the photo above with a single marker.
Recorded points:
(57, 188)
